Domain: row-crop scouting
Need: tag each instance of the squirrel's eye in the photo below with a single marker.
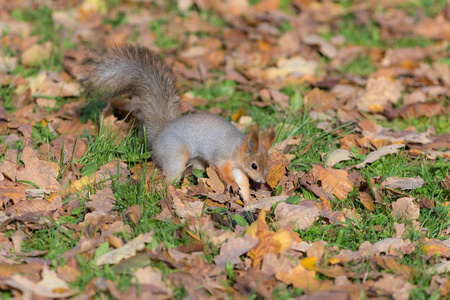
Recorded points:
(254, 166)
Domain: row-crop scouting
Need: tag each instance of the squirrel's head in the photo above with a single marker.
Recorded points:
(254, 153)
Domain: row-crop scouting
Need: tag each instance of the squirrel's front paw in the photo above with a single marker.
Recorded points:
(245, 196)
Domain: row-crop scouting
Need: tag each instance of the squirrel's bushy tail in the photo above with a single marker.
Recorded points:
(136, 71)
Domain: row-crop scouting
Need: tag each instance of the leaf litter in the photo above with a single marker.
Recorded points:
(47, 176)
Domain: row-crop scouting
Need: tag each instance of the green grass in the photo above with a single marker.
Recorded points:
(362, 66)
(440, 123)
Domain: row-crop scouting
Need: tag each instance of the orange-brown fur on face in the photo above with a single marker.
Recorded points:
(253, 155)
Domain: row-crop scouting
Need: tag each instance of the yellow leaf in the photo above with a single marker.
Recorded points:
(98, 6)
(309, 262)
(284, 238)
(254, 226)
(334, 260)
(80, 184)
(196, 237)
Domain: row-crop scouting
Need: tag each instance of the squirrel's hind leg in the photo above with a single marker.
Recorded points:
(173, 163)
(198, 163)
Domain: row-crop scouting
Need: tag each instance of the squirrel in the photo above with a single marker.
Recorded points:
(197, 139)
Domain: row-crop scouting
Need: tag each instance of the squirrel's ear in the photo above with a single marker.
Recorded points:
(268, 138)
(252, 141)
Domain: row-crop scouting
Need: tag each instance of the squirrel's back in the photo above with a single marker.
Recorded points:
(139, 72)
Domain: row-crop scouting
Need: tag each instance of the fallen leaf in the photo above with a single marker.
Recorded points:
(11, 191)
(383, 151)
(127, 251)
(406, 209)
(366, 200)
(396, 286)
(296, 66)
(403, 183)
(214, 181)
(271, 264)
(278, 163)
(332, 181)
(7, 270)
(379, 92)
(36, 170)
(337, 156)
(233, 249)
(51, 286)
(154, 278)
(266, 203)
(36, 54)
(302, 217)
(103, 200)
(303, 278)
(29, 206)
(325, 47)
(134, 213)
(269, 241)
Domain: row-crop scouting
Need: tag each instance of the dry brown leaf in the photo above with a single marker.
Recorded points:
(127, 251)
(74, 127)
(446, 182)
(36, 170)
(70, 147)
(7, 270)
(303, 278)
(434, 246)
(332, 181)
(53, 85)
(317, 250)
(115, 241)
(51, 286)
(214, 181)
(392, 264)
(271, 264)
(278, 164)
(296, 66)
(68, 273)
(154, 278)
(379, 92)
(399, 230)
(11, 191)
(193, 100)
(85, 244)
(383, 151)
(115, 170)
(338, 155)
(269, 241)
(36, 54)
(421, 109)
(184, 205)
(391, 246)
(134, 213)
(394, 286)
(103, 200)
(320, 101)
(233, 249)
(366, 200)
(302, 217)
(266, 203)
(403, 183)
(17, 239)
(325, 47)
(29, 206)
(405, 209)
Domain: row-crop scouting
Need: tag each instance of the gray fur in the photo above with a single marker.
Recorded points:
(193, 133)
(139, 72)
